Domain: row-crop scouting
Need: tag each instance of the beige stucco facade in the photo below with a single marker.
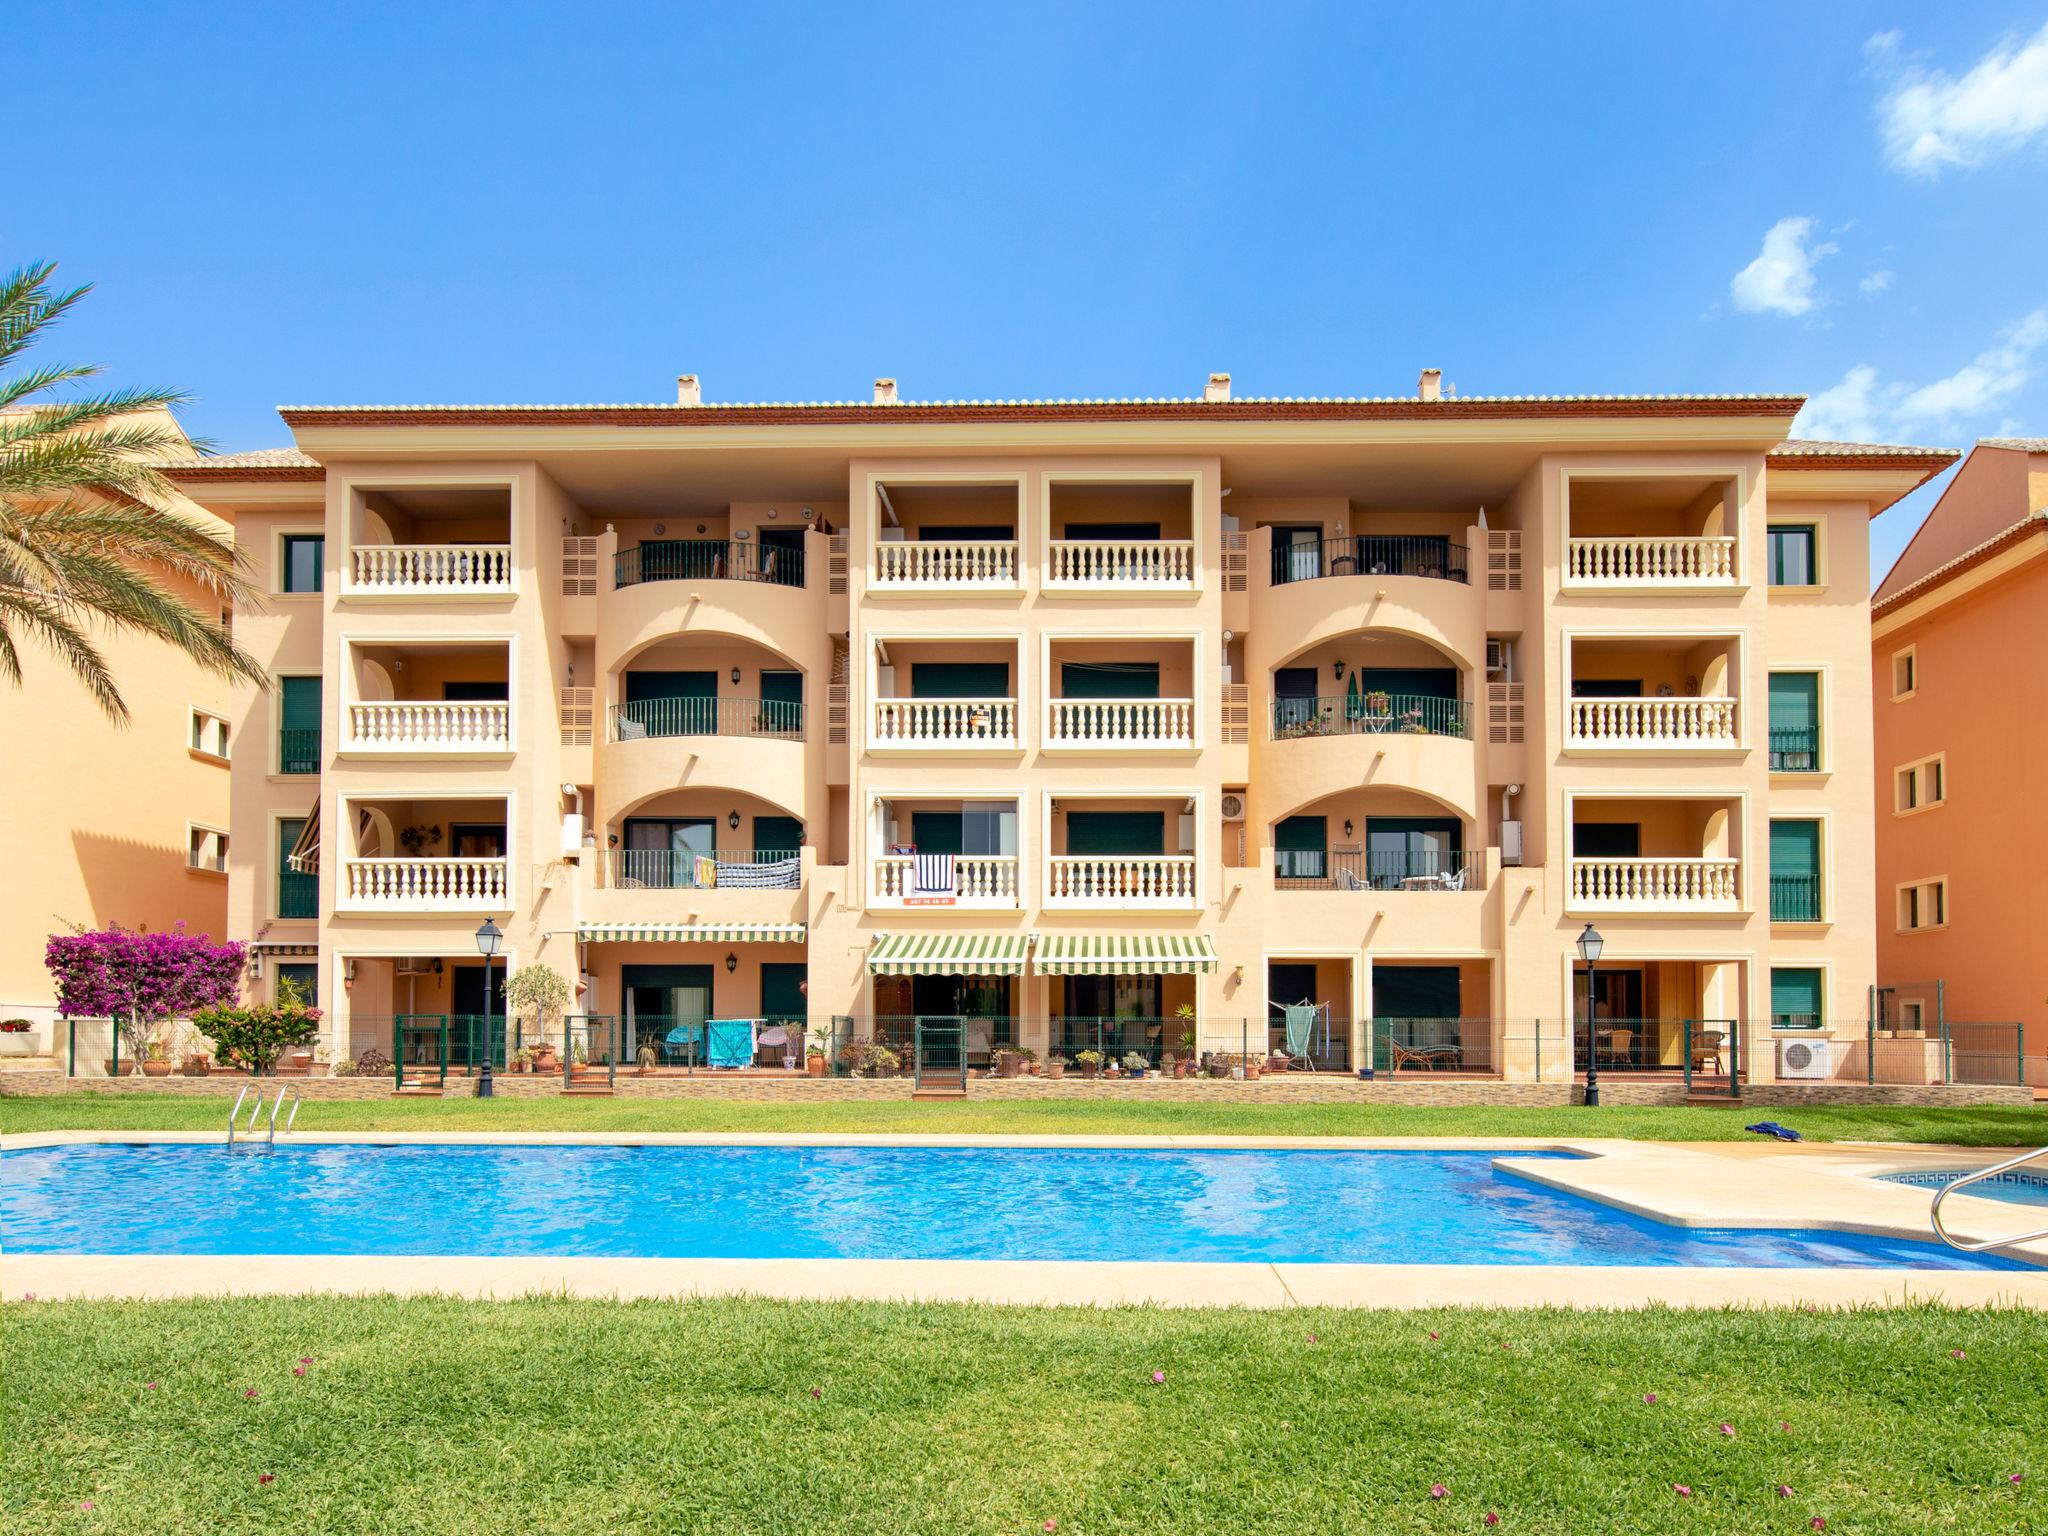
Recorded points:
(1308, 694)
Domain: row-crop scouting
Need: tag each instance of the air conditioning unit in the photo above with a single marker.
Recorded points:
(413, 965)
(1500, 660)
(1804, 1058)
(1511, 842)
(1233, 807)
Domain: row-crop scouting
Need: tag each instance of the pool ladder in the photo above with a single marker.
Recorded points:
(256, 1109)
(1934, 1212)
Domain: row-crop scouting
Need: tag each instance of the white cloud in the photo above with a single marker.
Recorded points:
(1864, 408)
(1987, 381)
(1877, 281)
(1780, 280)
(1930, 119)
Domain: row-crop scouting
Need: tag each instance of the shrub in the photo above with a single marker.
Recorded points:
(372, 1063)
(344, 1068)
(1134, 1062)
(254, 1035)
(537, 992)
(142, 980)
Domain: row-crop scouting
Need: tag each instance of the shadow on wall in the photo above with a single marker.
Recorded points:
(139, 884)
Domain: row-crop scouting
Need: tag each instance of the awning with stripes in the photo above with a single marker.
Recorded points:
(304, 855)
(692, 933)
(948, 954)
(1124, 954)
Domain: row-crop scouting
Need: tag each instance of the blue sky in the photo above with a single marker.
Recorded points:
(528, 203)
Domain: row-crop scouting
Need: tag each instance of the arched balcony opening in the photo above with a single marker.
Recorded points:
(1377, 840)
(1370, 683)
(706, 685)
(702, 839)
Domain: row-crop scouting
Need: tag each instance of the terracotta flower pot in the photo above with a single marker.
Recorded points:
(816, 1066)
(1055, 1070)
(1010, 1066)
(156, 1069)
(1090, 1069)
(119, 1069)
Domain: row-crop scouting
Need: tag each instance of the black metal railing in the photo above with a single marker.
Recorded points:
(709, 560)
(1352, 869)
(298, 894)
(298, 751)
(1370, 554)
(1795, 898)
(1795, 749)
(1370, 714)
(643, 718)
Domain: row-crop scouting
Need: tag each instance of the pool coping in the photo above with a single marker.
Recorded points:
(1699, 1184)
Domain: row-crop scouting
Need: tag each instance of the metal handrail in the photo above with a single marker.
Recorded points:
(1934, 1211)
(278, 1103)
(235, 1110)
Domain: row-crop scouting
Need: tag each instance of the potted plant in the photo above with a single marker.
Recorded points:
(197, 1064)
(539, 993)
(1090, 1062)
(343, 1068)
(520, 1060)
(372, 1063)
(1056, 1066)
(1134, 1064)
(545, 1057)
(1252, 1066)
(156, 1060)
(15, 1039)
(1007, 1060)
(817, 1053)
(646, 1059)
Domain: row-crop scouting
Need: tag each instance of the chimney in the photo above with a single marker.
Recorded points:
(1431, 385)
(885, 391)
(688, 390)
(1219, 387)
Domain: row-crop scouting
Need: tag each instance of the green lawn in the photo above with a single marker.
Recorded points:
(550, 1415)
(1105, 1116)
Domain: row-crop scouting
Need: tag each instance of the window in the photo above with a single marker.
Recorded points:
(304, 979)
(302, 558)
(1795, 872)
(1905, 673)
(298, 725)
(209, 734)
(298, 893)
(1795, 722)
(1795, 997)
(1790, 555)
(1920, 786)
(206, 848)
(1923, 904)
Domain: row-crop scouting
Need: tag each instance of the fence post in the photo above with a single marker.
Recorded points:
(1685, 1043)
(1948, 1054)
(1539, 1050)
(397, 1052)
(117, 1046)
(1870, 1050)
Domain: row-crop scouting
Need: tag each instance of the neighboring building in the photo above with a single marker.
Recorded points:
(1040, 715)
(114, 823)
(1959, 650)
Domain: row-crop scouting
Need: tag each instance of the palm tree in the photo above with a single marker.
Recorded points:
(90, 538)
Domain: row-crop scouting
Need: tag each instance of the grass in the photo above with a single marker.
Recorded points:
(1988, 1127)
(561, 1416)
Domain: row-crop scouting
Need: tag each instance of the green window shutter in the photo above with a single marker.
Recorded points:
(297, 892)
(936, 831)
(777, 834)
(1109, 679)
(1795, 995)
(298, 725)
(1795, 722)
(1795, 872)
(1300, 847)
(1116, 833)
(1415, 682)
(959, 680)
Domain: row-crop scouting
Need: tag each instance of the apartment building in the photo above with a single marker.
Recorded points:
(1959, 637)
(1110, 724)
(90, 850)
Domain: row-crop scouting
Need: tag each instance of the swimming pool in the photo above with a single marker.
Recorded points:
(2021, 1186)
(1244, 1206)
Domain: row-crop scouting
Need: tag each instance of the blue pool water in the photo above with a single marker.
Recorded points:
(860, 1202)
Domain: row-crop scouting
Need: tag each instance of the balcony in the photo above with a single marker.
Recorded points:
(430, 570)
(1370, 714)
(1426, 555)
(426, 885)
(1650, 562)
(955, 565)
(681, 869)
(951, 537)
(1795, 898)
(944, 725)
(1120, 725)
(1120, 565)
(1655, 885)
(1113, 882)
(644, 719)
(1415, 870)
(1656, 724)
(1127, 537)
(428, 728)
(777, 564)
(1645, 532)
(986, 881)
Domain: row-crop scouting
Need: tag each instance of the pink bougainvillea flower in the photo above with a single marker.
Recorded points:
(1650, 1398)
(817, 1393)
(305, 1359)
(1313, 1339)
(87, 1506)
(266, 1480)
(149, 1386)
(251, 1392)
(1955, 1354)
(1438, 1491)
(1785, 1426)
(298, 1370)
(1728, 1430)
(1683, 1490)
(1492, 1518)
(1818, 1522)
(1784, 1490)
(1052, 1525)
(2014, 1478)
(1159, 1378)
(28, 1295)
(1432, 1332)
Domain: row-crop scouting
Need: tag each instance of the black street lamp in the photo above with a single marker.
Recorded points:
(488, 942)
(1590, 945)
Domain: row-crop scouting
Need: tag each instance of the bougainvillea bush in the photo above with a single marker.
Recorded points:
(143, 980)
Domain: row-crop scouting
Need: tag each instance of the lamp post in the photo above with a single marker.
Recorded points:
(1590, 945)
(488, 942)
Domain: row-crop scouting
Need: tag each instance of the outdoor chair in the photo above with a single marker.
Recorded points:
(1427, 1057)
(1706, 1051)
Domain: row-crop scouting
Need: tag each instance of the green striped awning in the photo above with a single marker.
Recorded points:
(692, 933)
(948, 954)
(1124, 954)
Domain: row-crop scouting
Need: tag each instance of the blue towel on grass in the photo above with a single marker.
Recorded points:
(1772, 1128)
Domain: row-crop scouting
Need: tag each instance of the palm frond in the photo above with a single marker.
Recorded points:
(27, 305)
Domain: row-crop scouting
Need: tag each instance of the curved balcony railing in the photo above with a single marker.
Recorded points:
(708, 560)
(427, 885)
(1371, 554)
(1120, 880)
(1370, 714)
(1136, 564)
(677, 869)
(1110, 725)
(984, 564)
(1669, 723)
(430, 569)
(988, 880)
(779, 719)
(1650, 562)
(480, 725)
(944, 723)
(1655, 885)
(1397, 869)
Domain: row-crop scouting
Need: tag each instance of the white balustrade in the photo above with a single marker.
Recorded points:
(427, 885)
(1121, 724)
(974, 563)
(406, 569)
(1668, 723)
(983, 880)
(403, 726)
(1120, 881)
(1656, 885)
(1139, 563)
(945, 723)
(1650, 562)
